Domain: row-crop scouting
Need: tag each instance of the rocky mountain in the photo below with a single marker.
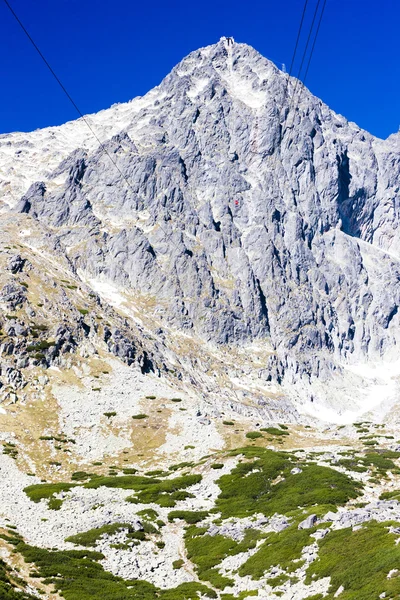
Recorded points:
(232, 206)
(199, 295)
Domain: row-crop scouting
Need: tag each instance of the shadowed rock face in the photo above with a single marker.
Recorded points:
(245, 207)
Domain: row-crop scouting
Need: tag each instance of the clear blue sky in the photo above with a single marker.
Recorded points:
(107, 52)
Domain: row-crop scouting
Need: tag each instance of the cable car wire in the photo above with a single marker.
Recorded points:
(62, 86)
(315, 39)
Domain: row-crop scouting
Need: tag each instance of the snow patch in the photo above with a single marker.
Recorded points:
(197, 88)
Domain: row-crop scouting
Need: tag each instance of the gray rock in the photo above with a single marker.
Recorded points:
(245, 215)
(16, 264)
(308, 522)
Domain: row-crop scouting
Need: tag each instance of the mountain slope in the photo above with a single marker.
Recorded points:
(239, 209)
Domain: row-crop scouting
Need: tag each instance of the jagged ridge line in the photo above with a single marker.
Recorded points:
(104, 149)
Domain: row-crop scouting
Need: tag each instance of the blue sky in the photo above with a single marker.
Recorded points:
(107, 52)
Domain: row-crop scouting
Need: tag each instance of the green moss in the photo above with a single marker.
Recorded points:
(217, 466)
(140, 416)
(359, 561)
(228, 423)
(83, 311)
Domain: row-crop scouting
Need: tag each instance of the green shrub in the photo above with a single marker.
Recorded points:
(189, 516)
(78, 576)
(43, 345)
(148, 513)
(89, 538)
(279, 549)
(274, 431)
(359, 561)
(165, 493)
(206, 552)
(253, 435)
(140, 416)
(248, 489)
(81, 476)
(38, 491)
(11, 587)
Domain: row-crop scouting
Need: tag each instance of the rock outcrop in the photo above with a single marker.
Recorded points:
(240, 206)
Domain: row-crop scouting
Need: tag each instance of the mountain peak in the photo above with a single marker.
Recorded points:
(244, 211)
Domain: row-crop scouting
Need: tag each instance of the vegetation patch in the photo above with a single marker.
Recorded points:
(37, 492)
(165, 493)
(43, 345)
(279, 549)
(253, 435)
(275, 430)
(360, 562)
(77, 575)
(11, 586)
(89, 538)
(207, 551)
(189, 516)
(82, 476)
(264, 484)
(10, 449)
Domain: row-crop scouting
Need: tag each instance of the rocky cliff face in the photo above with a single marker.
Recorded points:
(231, 205)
